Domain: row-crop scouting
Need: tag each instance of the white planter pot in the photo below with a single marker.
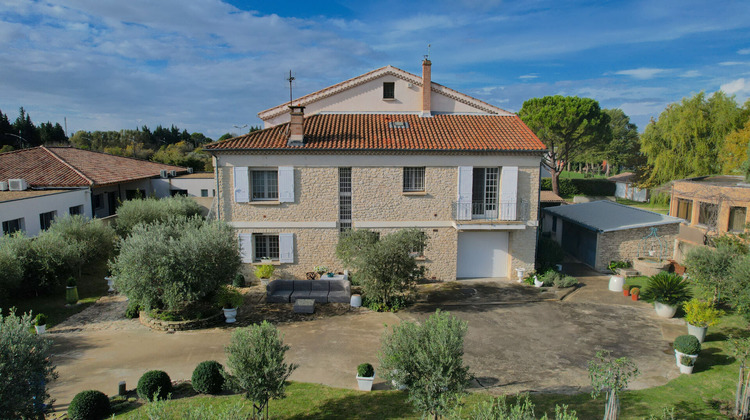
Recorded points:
(365, 382)
(231, 315)
(264, 282)
(110, 283)
(686, 369)
(697, 332)
(664, 311)
(616, 283)
(40, 329)
(355, 301)
(678, 355)
(538, 283)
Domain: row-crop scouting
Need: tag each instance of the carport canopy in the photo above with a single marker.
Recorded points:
(608, 216)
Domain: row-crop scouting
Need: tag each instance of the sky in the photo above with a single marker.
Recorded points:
(210, 66)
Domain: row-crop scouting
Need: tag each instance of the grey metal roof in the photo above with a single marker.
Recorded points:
(608, 216)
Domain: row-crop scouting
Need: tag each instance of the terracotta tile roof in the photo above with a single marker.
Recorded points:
(550, 197)
(372, 132)
(20, 195)
(71, 167)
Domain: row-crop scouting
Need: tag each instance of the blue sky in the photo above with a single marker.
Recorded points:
(208, 65)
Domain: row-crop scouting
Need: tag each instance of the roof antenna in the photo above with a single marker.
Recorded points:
(290, 79)
(427, 57)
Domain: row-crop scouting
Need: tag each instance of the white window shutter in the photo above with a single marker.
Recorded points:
(465, 183)
(508, 192)
(246, 247)
(241, 185)
(286, 184)
(286, 247)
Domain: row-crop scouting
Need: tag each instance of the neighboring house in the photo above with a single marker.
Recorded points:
(625, 187)
(32, 211)
(199, 184)
(102, 181)
(709, 205)
(384, 151)
(602, 231)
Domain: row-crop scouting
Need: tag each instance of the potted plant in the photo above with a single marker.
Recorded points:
(229, 299)
(71, 291)
(686, 345)
(264, 272)
(634, 293)
(686, 364)
(320, 269)
(40, 323)
(699, 316)
(365, 376)
(626, 290)
(667, 291)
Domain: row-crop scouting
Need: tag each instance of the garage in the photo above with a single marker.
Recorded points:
(482, 254)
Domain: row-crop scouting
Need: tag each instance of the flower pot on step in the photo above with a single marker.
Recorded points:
(40, 329)
(697, 332)
(634, 297)
(626, 292)
(365, 382)
(664, 310)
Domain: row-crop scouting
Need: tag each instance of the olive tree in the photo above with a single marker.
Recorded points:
(97, 238)
(740, 349)
(611, 376)
(428, 360)
(173, 264)
(709, 269)
(14, 251)
(153, 210)
(738, 288)
(25, 367)
(255, 357)
(385, 266)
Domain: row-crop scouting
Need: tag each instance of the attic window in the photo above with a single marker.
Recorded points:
(389, 90)
(398, 124)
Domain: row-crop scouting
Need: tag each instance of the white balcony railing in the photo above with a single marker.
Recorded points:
(503, 210)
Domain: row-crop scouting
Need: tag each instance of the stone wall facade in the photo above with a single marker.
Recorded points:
(697, 192)
(379, 204)
(624, 245)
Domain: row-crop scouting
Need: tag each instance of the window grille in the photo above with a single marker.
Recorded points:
(265, 185)
(413, 179)
(708, 214)
(389, 90)
(266, 246)
(345, 199)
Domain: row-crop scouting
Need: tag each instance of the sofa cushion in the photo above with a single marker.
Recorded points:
(340, 291)
(302, 285)
(279, 291)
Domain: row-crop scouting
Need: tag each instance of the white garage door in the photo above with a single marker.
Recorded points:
(482, 254)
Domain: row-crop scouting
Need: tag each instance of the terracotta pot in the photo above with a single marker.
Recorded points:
(634, 297)
(626, 292)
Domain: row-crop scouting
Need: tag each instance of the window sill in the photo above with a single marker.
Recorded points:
(420, 258)
(414, 193)
(257, 263)
(389, 99)
(265, 203)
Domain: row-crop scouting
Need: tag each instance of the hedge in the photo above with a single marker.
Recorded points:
(576, 186)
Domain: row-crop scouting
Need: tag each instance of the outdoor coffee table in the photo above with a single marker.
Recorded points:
(304, 306)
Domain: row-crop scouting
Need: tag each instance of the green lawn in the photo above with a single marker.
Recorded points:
(706, 394)
(663, 209)
(91, 287)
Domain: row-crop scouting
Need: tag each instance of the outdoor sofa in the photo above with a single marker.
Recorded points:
(322, 291)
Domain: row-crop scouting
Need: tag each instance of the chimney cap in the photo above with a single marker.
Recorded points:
(426, 62)
(297, 108)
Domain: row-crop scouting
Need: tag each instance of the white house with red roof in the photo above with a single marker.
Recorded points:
(40, 183)
(386, 150)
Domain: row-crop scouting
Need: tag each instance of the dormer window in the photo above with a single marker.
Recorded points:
(389, 90)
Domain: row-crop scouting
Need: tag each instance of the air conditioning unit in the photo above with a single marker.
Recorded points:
(163, 173)
(190, 170)
(17, 184)
(3, 185)
(172, 173)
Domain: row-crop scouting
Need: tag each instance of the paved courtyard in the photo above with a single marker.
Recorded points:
(518, 340)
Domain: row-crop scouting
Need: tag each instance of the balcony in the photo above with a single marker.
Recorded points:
(491, 211)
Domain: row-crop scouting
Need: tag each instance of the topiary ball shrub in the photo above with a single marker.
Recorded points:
(89, 405)
(154, 383)
(238, 281)
(687, 344)
(365, 370)
(208, 377)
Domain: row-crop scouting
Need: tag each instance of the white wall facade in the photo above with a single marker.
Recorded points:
(193, 186)
(630, 192)
(30, 208)
(368, 98)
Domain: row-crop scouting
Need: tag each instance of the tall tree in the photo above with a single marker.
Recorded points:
(625, 146)
(686, 139)
(26, 129)
(568, 126)
(734, 150)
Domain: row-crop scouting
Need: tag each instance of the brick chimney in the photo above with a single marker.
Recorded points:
(296, 130)
(426, 88)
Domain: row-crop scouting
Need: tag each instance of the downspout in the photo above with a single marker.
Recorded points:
(218, 191)
(539, 213)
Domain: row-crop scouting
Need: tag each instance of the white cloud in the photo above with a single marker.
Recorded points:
(736, 86)
(642, 73)
(734, 63)
(643, 108)
(744, 51)
(529, 76)
(691, 73)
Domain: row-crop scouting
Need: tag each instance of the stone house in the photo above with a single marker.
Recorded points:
(708, 206)
(384, 151)
(602, 231)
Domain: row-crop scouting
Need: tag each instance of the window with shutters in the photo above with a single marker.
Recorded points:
(389, 90)
(266, 247)
(414, 179)
(737, 217)
(264, 185)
